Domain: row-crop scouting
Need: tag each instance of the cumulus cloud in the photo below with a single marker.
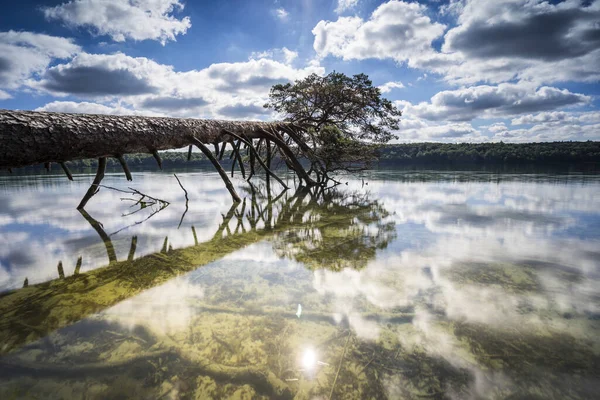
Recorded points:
(493, 41)
(4, 95)
(90, 108)
(551, 133)
(551, 126)
(504, 100)
(531, 30)
(497, 127)
(220, 90)
(121, 20)
(534, 40)
(94, 81)
(345, 5)
(283, 54)
(243, 111)
(166, 103)
(396, 29)
(558, 117)
(434, 121)
(417, 130)
(91, 75)
(389, 86)
(23, 54)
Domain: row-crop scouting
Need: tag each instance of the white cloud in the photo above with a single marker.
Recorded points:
(389, 86)
(504, 100)
(396, 30)
(4, 95)
(223, 90)
(561, 117)
(551, 133)
(497, 127)
(345, 5)
(121, 20)
(493, 41)
(534, 40)
(93, 75)
(547, 126)
(25, 53)
(284, 55)
(416, 129)
(281, 14)
(90, 108)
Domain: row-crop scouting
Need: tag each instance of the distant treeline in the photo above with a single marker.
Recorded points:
(491, 153)
(411, 153)
(169, 159)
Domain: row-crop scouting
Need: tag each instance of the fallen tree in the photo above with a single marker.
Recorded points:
(30, 137)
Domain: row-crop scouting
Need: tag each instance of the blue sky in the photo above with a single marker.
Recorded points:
(461, 70)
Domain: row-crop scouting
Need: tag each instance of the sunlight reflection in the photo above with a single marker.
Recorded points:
(309, 359)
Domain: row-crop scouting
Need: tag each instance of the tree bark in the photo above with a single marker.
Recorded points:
(31, 137)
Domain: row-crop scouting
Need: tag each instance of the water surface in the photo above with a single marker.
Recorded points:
(418, 284)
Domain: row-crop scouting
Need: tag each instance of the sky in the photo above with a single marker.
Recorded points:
(460, 70)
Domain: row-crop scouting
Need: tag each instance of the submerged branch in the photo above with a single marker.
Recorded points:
(186, 201)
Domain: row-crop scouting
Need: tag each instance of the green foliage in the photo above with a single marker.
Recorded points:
(492, 153)
(339, 114)
(339, 152)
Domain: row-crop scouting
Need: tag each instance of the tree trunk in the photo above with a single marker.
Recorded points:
(30, 137)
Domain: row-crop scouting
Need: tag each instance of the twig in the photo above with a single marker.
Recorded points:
(339, 367)
(135, 191)
(186, 201)
(139, 222)
(366, 365)
(185, 191)
(260, 161)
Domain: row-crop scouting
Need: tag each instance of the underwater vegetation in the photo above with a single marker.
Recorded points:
(220, 319)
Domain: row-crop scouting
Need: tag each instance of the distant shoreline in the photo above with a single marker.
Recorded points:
(583, 154)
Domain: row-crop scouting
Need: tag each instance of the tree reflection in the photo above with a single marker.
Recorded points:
(320, 228)
(356, 228)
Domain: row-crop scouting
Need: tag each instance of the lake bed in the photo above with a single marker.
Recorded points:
(398, 284)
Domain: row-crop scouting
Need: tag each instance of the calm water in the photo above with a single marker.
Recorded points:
(405, 285)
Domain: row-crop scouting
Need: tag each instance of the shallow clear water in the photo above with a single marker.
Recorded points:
(416, 284)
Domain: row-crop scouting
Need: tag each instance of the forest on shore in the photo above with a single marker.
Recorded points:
(427, 154)
(491, 153)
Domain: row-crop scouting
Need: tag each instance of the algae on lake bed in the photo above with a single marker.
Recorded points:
(399, 299)
(223, 331)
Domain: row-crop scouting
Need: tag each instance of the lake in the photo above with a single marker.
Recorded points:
(398, 284)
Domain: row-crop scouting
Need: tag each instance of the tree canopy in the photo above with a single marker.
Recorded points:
(342, 117)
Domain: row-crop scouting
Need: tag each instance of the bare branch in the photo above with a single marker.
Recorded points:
(94, 187)
(157, 158)
(218, 167)
(125, 167)
(67, 172)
